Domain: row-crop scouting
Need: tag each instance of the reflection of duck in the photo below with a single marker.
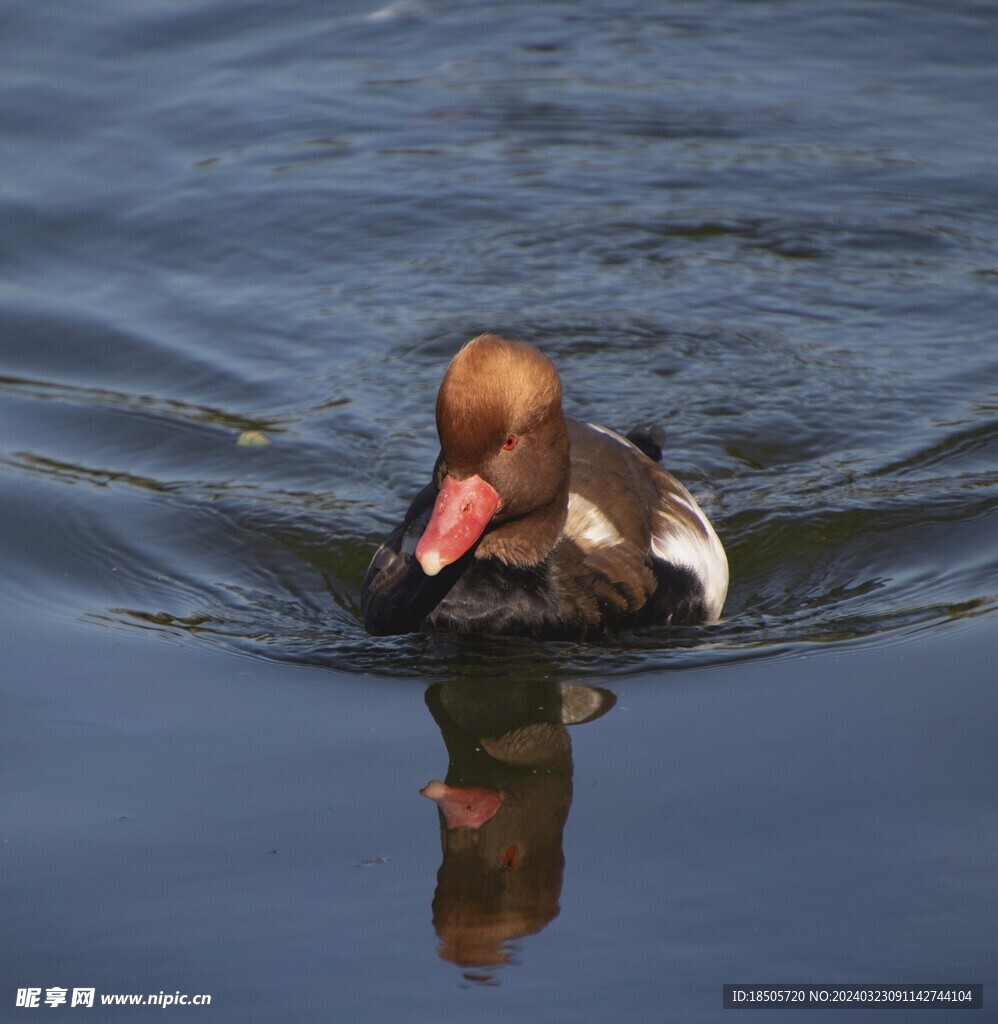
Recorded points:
(537, 525)
(502, 810)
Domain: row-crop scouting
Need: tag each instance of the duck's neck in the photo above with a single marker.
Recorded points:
(529, 540)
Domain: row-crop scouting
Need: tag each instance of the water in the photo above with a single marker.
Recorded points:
(772, 228)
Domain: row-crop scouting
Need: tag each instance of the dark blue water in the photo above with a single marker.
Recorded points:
(772, 228)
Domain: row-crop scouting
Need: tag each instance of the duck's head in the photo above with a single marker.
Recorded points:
(504, 463)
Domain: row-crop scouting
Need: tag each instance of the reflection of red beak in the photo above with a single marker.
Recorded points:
(461, 513)
(462, 807)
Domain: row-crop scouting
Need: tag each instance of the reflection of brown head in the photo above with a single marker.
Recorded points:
(502, 812)
(502, 880)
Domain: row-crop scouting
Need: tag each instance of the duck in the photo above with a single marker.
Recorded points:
(538, 525)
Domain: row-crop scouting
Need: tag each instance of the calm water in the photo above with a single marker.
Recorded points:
(771, 227)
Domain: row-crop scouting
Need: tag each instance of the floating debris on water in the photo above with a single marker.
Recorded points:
(252, 439)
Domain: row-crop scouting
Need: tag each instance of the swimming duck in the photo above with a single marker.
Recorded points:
(537, 525)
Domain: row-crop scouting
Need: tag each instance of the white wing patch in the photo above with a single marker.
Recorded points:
(587, 525)
(674, 542)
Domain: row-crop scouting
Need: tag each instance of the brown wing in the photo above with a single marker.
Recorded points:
(635, 538)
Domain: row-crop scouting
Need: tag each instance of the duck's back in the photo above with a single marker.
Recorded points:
(636, 549)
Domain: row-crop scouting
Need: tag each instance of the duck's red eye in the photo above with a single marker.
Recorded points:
(510, 443)
(509, 857)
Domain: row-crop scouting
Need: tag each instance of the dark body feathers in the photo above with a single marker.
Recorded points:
(589, 584)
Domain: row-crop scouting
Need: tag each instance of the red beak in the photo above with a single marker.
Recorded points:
(461, 513)
(463, 807)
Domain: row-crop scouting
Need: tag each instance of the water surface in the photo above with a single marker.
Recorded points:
(771, 228)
